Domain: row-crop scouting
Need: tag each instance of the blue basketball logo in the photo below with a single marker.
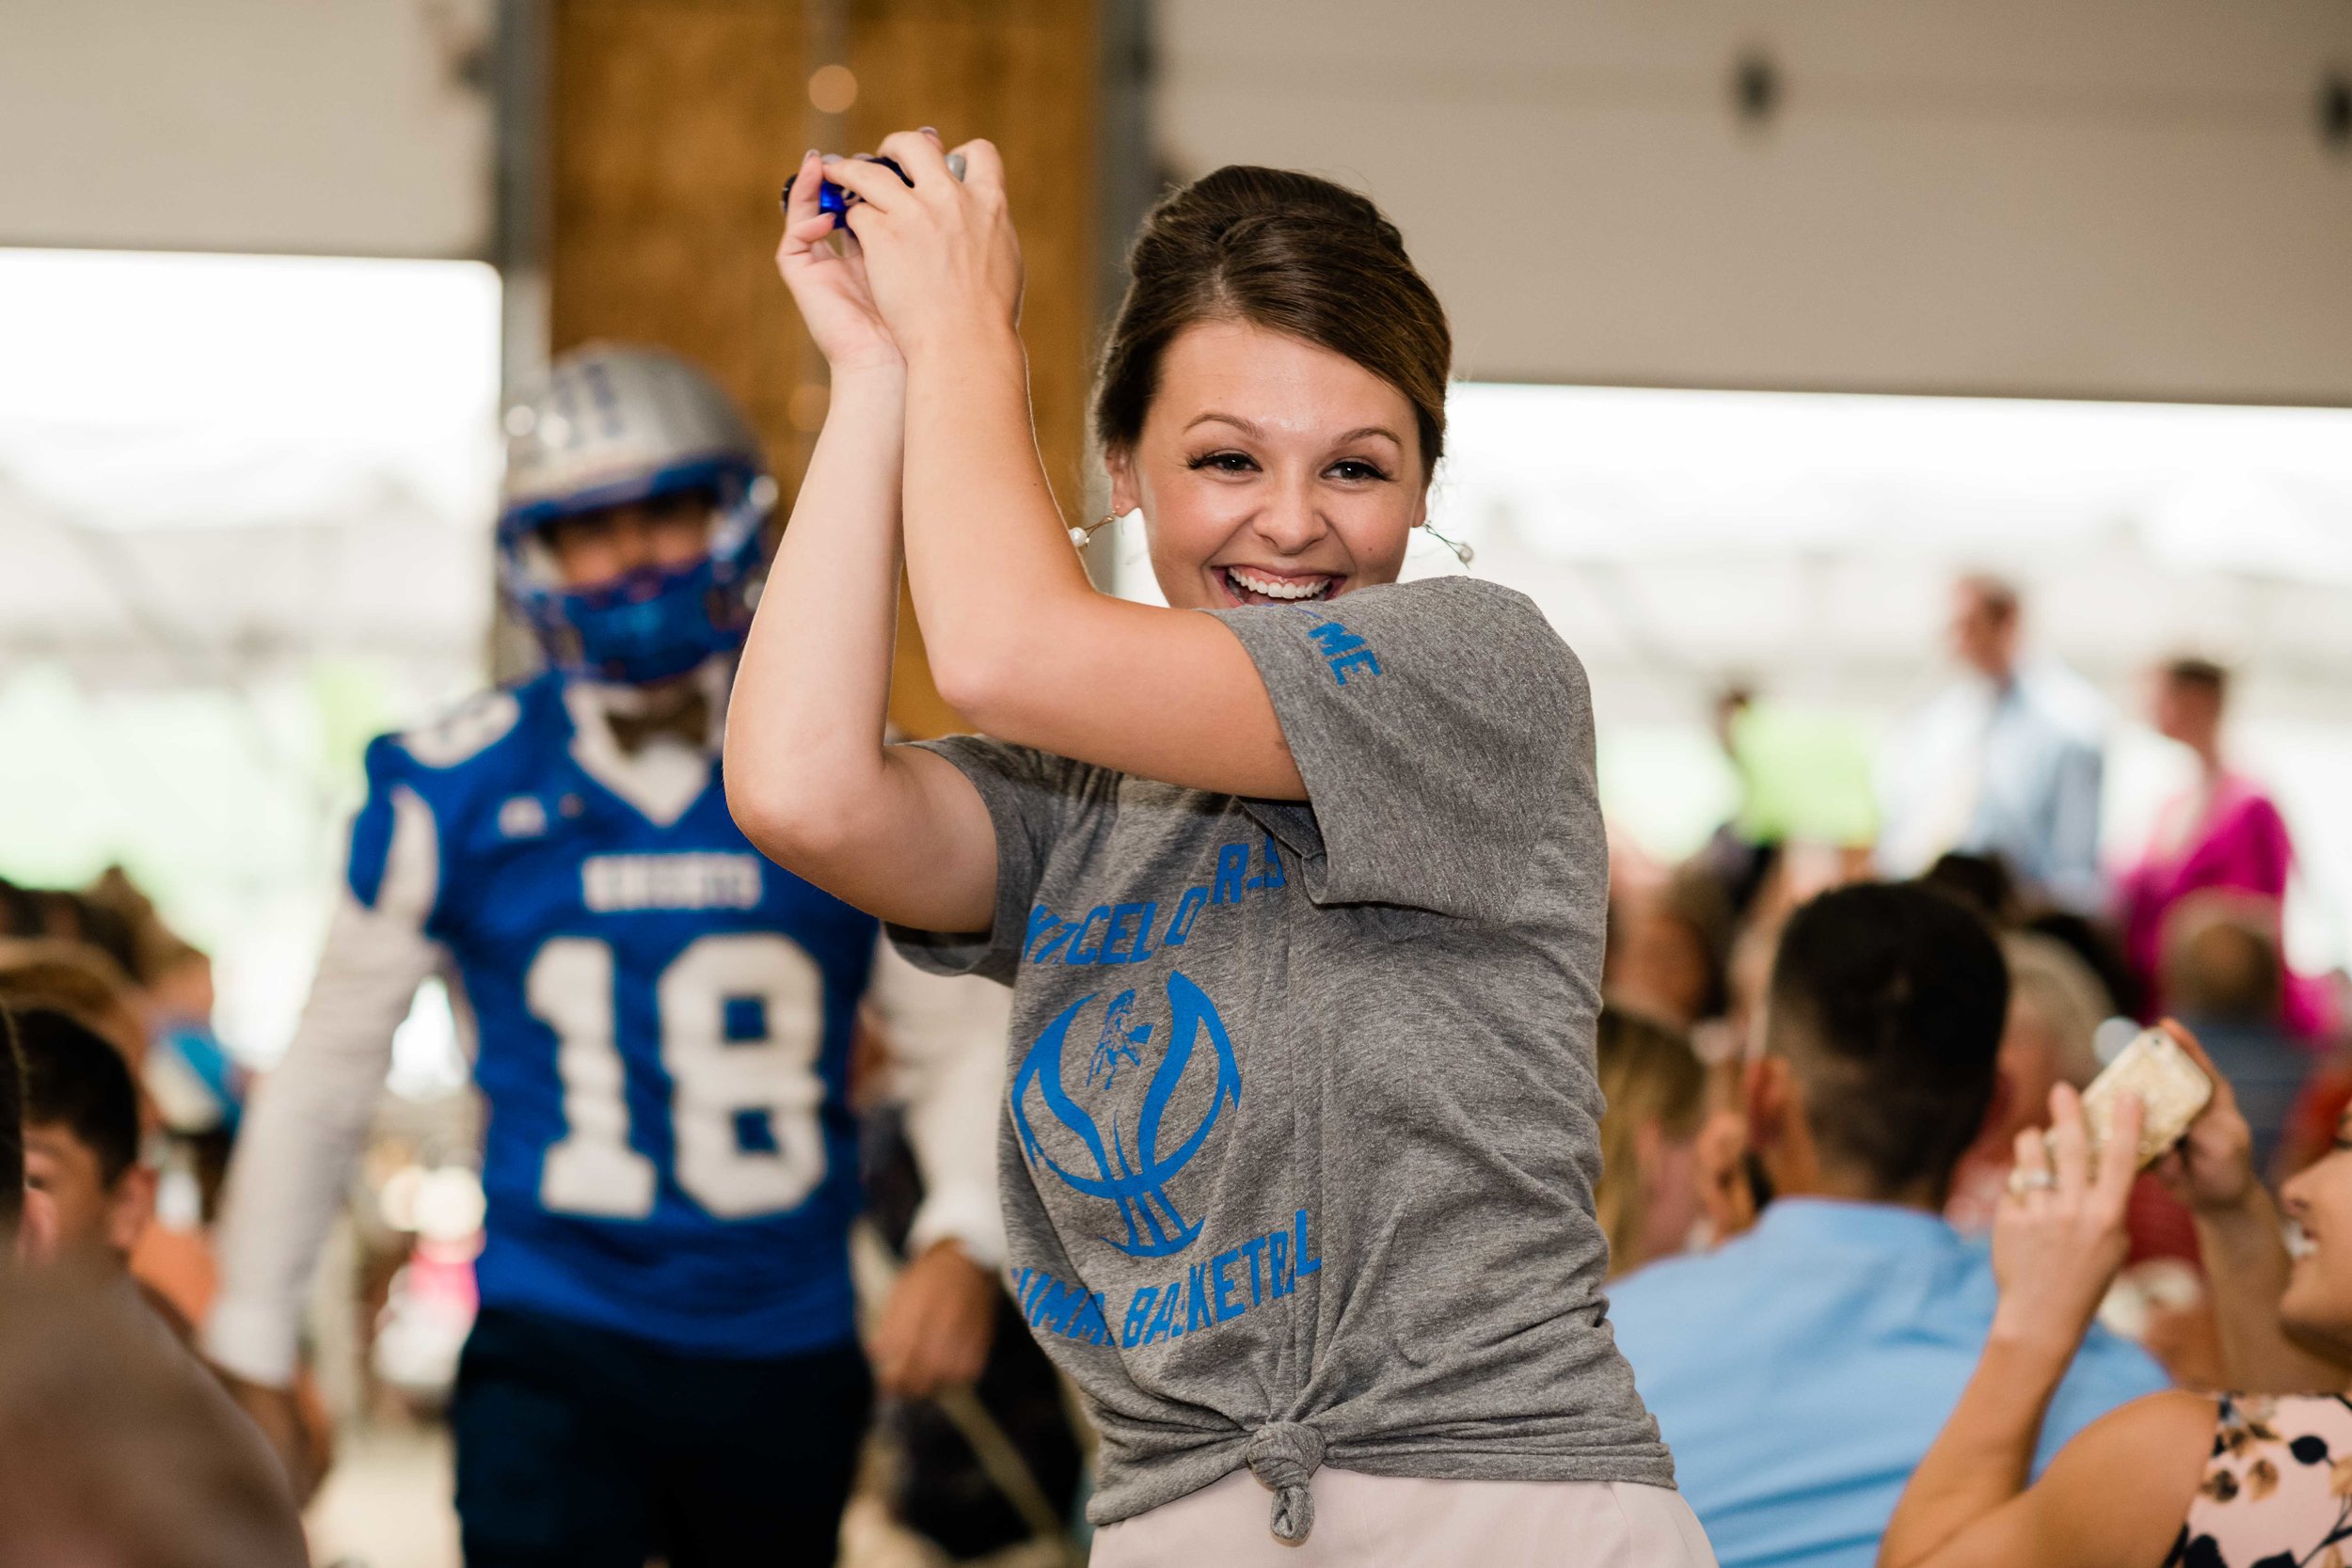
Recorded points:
(1134, 1166)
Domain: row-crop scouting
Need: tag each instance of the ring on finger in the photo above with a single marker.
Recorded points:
(2028, 1179)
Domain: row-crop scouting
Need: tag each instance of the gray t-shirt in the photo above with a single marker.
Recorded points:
(1302, 1121)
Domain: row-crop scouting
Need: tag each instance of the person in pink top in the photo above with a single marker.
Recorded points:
(2223, 833)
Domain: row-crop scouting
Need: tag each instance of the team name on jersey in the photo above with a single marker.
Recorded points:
(617, 883)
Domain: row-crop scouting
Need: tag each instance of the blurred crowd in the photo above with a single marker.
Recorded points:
(1819, 1059)
(125, 1109)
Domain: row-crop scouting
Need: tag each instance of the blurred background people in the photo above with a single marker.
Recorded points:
(663, 1023)
(2221, 973)
(89, 955)
(1669, 949)
(2221, 833)
(2006, 760)
(2055, 1006)
(82, 1140)
(1655, 1186)
(1799, 1372)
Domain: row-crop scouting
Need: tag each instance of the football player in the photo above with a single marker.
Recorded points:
(660, 1021)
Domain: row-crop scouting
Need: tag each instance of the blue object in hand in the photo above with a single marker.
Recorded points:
(832, 199)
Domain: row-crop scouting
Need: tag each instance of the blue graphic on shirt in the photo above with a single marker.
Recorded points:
(1118, 1043)
(1343, 650)
(1131, 1171)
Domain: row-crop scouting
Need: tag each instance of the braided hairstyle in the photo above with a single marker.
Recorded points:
(1287, 252)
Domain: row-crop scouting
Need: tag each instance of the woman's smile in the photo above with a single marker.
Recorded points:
(1256, 585)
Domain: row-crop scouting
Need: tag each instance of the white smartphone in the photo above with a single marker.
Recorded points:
(2172, 1090)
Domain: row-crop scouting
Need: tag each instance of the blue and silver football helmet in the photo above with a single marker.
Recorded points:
(606, 426)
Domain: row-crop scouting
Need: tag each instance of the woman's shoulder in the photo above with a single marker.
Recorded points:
(2241, 800)
(1452, 595)
(2233, 1435)
(2139, 1436)
(1465, 624)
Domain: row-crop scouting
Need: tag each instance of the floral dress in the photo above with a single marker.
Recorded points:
(2278, 1490)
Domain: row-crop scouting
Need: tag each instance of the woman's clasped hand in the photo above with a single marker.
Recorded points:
(937, 255)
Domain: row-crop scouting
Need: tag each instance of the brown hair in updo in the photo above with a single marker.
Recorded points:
(1287, 252)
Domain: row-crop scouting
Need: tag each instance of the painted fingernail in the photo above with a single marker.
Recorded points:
(832, 157)
(812, 152)
(930, 132)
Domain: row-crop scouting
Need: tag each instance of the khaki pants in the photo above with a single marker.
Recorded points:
(1396, 1522)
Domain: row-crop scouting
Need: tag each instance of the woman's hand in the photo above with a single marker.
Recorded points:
(941, 252)
(2212, 1169)
(2058, 1237)
(829, 281)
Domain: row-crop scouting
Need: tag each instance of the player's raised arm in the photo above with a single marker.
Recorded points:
(895, 831)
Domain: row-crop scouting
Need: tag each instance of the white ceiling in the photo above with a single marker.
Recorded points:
(2091, 199)
(339, 126)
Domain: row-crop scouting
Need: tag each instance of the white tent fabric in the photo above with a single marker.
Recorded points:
(245, 521)
(216, 605)
(1680, 539)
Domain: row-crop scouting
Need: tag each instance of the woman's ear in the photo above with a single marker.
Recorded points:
(1125, 495)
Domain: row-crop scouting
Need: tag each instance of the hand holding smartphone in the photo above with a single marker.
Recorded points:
(2172, 1089)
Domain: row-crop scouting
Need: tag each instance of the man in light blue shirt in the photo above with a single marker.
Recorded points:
(2007, 761)
(1801, 1371)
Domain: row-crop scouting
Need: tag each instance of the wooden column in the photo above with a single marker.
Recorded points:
(674, 122)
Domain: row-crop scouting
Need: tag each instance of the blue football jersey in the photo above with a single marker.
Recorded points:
(663, 1021)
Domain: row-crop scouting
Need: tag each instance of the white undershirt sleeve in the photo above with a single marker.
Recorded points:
(310, 1117)
(946, 1042)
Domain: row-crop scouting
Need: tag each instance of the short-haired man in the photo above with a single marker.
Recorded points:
(1799, 1372)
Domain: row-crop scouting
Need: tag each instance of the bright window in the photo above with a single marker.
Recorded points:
(244, 509)
(1803, 545)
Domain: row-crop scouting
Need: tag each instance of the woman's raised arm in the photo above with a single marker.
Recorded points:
(896, 832)
(1020, 641)
(2116, 1494)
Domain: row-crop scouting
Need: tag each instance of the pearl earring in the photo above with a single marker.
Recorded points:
(1081, 537)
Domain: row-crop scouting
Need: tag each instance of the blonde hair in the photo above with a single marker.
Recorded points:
(1649, 1075)
(2048, 976)
(78, 980)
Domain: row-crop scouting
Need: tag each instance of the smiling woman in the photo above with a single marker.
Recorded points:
(1298, 880)
(1314, 495)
